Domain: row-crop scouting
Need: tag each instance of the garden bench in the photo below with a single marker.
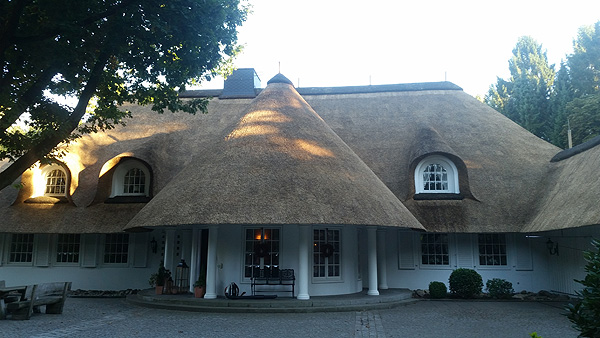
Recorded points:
(283, 278)
(52, 295)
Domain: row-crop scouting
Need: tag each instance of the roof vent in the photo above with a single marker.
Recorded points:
(242, 83)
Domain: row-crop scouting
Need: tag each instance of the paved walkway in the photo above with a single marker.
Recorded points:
(117, 318)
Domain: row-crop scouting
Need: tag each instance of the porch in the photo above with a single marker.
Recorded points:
(387, 299)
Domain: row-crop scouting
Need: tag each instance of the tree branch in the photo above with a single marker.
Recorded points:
(13, 171)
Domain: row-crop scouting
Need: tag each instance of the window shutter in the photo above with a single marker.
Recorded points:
(140, 249)
(406, 253)
(41, 249)
(464, 251)
(523, 260)
(90, 250)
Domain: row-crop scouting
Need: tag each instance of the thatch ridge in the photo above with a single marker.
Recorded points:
(280, 164)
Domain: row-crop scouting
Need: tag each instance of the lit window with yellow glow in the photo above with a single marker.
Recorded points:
(56, 183)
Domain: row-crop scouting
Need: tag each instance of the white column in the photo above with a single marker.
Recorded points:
(304, 244)
(381, 260)
(194, 258)
(169, 249)
(372, 254)
(211, 263)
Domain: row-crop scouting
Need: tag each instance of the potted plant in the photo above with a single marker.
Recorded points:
(157, 279)
(200, 286)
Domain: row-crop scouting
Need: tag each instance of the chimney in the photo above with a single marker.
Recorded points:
(242, 83)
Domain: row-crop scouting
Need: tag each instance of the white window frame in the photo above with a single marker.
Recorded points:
(10, 250)
(47, 170)
(250, 251)
(338, 247)
(449, 241)
(505, 254)
(56, 250)
(118, 179)
(129, 251)
(451, 172)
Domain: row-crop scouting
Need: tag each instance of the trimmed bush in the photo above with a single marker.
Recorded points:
(465, 283)
(499, 288)
(584, 315)
(437, 290)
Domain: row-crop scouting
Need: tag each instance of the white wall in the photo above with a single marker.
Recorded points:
(530, 266)
(98, 276)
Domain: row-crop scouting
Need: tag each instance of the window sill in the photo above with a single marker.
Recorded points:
(47, 200)
(127, 199)
(437, 196)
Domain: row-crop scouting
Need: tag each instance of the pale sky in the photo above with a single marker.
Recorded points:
(349, 43)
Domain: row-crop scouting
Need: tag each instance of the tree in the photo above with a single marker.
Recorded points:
(106, 53)
(584, 63)
(584, 315)
(524, 98)
(562, 94)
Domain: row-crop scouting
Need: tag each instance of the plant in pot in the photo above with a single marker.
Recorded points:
(157, 279)
(200, 286)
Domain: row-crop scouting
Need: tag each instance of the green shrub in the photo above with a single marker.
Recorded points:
(465, 283)
(437, 290)
(584, 315)
(499, 288)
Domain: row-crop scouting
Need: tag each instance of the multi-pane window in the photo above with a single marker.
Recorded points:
(21, 248)
(261, 256)
(434, 249)
(134, 182)
(116, 248)
(492, 249)
(56, 182)
(435, 178)
(67, 248)
(436, 174)
(326, 253)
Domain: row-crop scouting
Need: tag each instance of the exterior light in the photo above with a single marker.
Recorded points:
(153, 245)
(182, 277)
(552, 247)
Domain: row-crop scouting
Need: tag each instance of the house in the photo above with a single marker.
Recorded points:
(387, 186)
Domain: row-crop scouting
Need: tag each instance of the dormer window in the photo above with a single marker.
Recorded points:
(131, 178)
(436, 175)
(56, 181)
(134, 182)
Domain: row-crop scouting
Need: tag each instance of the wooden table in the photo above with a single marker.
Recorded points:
(5, 291)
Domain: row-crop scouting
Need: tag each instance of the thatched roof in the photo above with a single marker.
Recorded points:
(572, 192)
(280, 164)
(324, 156)
(502, 164)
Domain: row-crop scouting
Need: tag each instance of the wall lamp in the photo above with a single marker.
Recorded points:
(552, 247)
(153, 245)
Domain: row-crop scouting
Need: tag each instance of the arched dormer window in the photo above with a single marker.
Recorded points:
(131, 178)
(55, 179)
(436, 174)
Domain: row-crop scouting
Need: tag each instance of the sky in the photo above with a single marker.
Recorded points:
(350, 43)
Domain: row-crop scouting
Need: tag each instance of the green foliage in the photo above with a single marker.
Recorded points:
(107, 53)
(541, 101)
(465, 283)
(584, 315)
(201, 281)
(437, 290)
(524, 98)
(535, 335)
(160, 277)
(499, 288)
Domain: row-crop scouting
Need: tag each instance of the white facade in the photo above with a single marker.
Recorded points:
(529, 264)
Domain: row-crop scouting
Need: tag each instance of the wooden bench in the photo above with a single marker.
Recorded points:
(283, 277)
(52, 295)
